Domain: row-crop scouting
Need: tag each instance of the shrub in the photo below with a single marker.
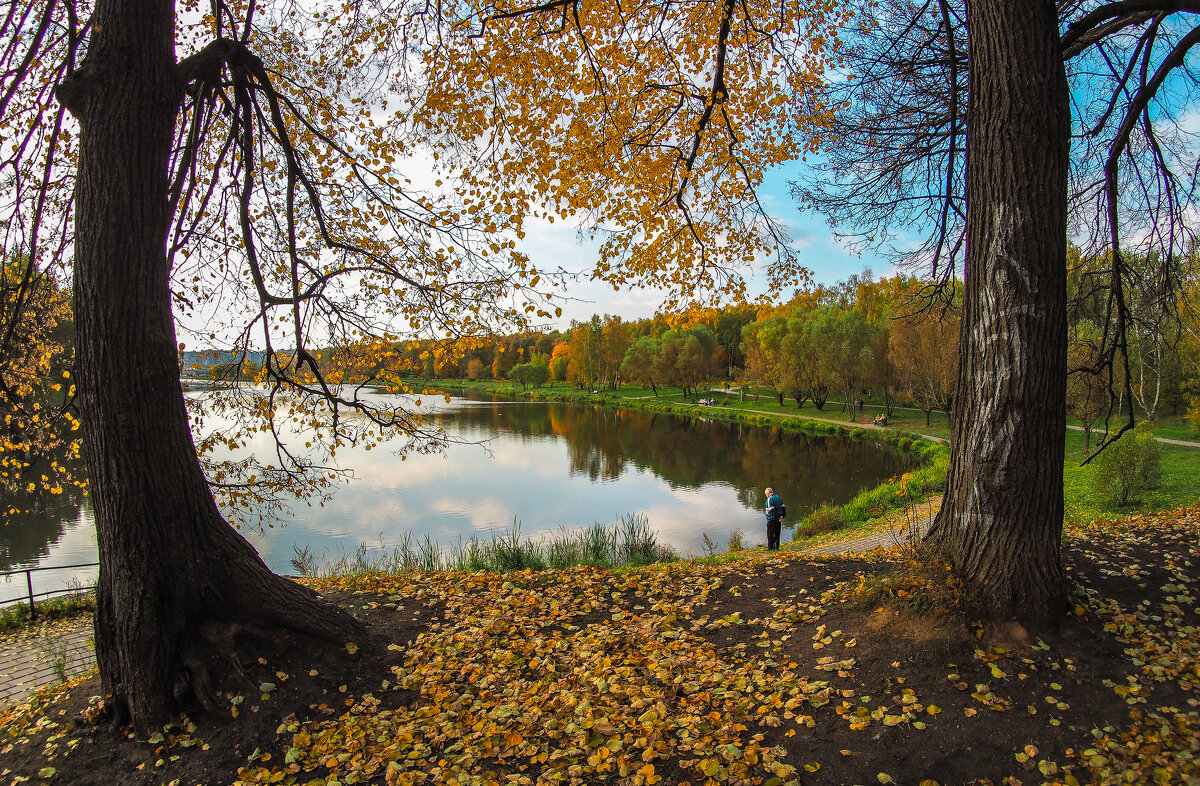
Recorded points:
(596, 543)
(826, 518)
(510, 555)
(666, 552)
(1127, 467)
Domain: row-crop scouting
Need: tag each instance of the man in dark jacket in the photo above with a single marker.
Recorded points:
(775, 513)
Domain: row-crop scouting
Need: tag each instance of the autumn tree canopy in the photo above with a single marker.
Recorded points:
(242, 170)
(650, 124)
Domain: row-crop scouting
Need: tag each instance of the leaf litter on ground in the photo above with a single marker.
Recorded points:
(772, 669)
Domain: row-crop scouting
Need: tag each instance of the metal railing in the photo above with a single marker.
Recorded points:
(31, 596)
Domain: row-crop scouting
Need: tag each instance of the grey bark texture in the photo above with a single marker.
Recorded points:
(1001, 522)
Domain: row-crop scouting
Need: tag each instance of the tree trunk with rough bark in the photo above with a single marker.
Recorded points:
(1001, 522)
(177, 584)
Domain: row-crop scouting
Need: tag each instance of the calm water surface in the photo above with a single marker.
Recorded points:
(546, 465)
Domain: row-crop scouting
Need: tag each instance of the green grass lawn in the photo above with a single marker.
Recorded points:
(1180, 485)
(1176, 427)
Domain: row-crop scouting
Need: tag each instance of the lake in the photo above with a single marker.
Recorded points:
(545, 465)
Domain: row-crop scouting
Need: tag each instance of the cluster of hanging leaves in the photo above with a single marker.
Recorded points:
(651, 124)
(39, 450)
(39, 445)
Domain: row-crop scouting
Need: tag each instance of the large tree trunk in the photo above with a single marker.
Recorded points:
(1001, 522)
(175, 578)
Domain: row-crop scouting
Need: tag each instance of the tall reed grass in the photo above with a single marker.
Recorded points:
(628, 542)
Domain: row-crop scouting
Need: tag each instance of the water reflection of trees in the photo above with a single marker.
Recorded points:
(34, 520)
(692, 452)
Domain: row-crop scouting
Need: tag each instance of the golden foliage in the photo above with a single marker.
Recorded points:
(653, 123)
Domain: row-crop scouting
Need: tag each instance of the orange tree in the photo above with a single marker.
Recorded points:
(923, 344)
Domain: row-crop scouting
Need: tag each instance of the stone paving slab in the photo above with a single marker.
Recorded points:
(28, 663)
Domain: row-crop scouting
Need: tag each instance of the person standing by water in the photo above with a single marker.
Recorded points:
(776, 511)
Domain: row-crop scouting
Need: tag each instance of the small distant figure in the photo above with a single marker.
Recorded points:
(776, 512)
(880, 420)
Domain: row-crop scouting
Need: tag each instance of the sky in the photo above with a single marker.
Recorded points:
(553, 245)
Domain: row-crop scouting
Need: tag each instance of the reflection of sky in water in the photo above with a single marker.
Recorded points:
(523, 473)
(76, 546)
(469, 493)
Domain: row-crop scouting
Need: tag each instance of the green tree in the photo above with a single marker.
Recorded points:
(766, 361)
(643, 363)
(695, 359)
(1130, 465)
(529, 374)
(849, 348)
(1087, 390)
(813, 357)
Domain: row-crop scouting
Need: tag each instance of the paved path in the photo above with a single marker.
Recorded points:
(29, 662)
(1185, 443)
(1182, 442)
(866, 424)
(890, 536)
